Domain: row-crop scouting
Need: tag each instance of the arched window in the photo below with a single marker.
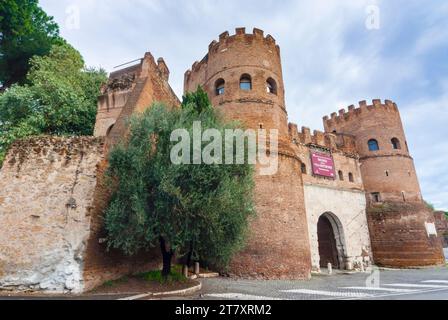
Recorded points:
(341, 175)
(350, 177)
(246, 82)
(303, 168)
(220, 87)
(373, 145)
(396, 144)
(271, 86)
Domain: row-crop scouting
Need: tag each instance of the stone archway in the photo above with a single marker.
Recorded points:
(331, 241)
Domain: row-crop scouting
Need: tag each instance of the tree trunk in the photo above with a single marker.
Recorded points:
(190, 253)
(167, 255)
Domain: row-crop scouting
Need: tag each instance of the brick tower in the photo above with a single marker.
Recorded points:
(398, 217)
(242, 75)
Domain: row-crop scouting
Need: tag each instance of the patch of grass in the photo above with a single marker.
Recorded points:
(109, 283)
(113, 283)
(156, 276)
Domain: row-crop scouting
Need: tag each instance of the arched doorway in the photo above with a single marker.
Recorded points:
(331, 241)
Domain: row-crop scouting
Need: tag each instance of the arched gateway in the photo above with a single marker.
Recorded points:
(331, 241)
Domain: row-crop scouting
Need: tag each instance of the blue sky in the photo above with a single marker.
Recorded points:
(330, 59)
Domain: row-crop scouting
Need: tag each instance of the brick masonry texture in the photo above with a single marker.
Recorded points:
(46, 193)
(399, 237)
(51, 201)
(442, 227)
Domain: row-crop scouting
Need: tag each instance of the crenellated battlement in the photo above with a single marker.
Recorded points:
(353, 112)
(225, 39)
(333, 142)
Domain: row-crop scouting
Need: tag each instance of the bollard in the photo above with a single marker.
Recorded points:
(330, 269)
(349, 265)
(185, 271)
(197, 268)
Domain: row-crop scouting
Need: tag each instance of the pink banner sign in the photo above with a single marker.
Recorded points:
(323, 164)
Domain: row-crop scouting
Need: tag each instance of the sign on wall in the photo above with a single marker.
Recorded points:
(323, 164)
(431, 229)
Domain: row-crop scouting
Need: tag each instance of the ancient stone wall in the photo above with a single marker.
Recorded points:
(46, 194)
(114, 97)
(400, 237)
(52, 201)
(347, 170)
(131, 91)
(278, 244)
(340, 199)
(346, 209)
(442, 227)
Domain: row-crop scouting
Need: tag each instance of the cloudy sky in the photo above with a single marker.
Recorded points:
(331, 59)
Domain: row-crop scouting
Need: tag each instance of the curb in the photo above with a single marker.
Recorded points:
(182, 292)
(208, 275)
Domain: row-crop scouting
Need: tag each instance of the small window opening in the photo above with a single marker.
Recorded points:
(220, 87)
(303, 168)
(246, 82)
(376, 197)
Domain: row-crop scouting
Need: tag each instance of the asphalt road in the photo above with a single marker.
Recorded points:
(377, 284)
(422, 284)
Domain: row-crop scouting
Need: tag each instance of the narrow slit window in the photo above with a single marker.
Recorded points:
(396, 144)
(220, 87)
(271, 86)
(303, 167)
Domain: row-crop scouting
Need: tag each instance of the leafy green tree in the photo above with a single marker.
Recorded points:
(201, 210)
(25, 31)
(60, 99)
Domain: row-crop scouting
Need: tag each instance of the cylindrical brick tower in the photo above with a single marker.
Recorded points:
(398, 218)
(242, 75)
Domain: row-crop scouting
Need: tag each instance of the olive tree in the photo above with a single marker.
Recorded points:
(198, 210)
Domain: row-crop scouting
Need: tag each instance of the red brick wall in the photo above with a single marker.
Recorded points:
(442, 226)
(278, 244)
(399, 237)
